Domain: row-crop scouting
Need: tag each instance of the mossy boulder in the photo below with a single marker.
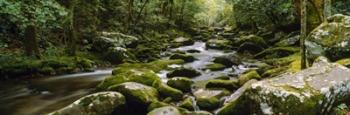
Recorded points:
(193, 51)
(226, 84)
(228, 60)
(136, 93)
(168, 110)
(197, 113)
(167, 91)
(144, 73)
(254, 39)
(215, 67)
(330, 39)
(103, 103)
(235, 104)
(188, 103)
(277, 52)
(209, 99)
(156, 105)
(184, 72)
(185, 57)
(182, 83)
(220, 44)
(182, 41)
(314, 90)
(345, 62)
(248, 76)
(291, 41)
(250, 48)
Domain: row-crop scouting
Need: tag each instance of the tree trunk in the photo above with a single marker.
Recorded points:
(71, 29)
(30, 41)
(303, 34)
(327, 10)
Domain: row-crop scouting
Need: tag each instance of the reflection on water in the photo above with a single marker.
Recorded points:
(40, 96)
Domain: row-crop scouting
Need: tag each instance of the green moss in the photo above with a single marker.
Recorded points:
(182, 83)
(248, 76)
(284, 60)
(227, 84)
(186, 58)
(345, 62)
(156, 104)
(167, 91)
(215, 67)
(277, 52)
(187, 103)
(274, 72)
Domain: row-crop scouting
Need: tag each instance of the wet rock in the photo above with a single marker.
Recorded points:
(235, 104)
(136, 93)
(228, 35)
(156, 105)
(168, 110)
(197, 113)
(330, 39)
(345, 62)
(277, 52)
(215, 67)
(341, 109)
(193, 51)
(182, 41)
(226, 84)
(103, 103)
(184, 72)
(186, 58)
(253, 39)
(292, 41)
(188, 103)
(220, 44)
(209, 99)
(223, 77)
(311, 91)
(249, 47)
(144, 73)
(248, 76)
(182, 83)
(228, 60)
(167, 91)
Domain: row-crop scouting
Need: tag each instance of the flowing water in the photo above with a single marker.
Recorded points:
(44, 95)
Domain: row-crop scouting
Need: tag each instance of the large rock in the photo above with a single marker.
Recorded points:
(167, 91)
(330, 39)
(226, 84)
(182, 41)
(103, 103)
(168, 110)
(220, 44)
(137, 93)
(186, 58)
(233, 104)
(183, 72)
(228, 60)
(209, 99)
(182, 83)
(311, 91)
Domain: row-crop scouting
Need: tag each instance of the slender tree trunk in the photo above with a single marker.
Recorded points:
(31, 45)
(130, 14)
(303, 33)
(140, 12)
(182, 13)
(327, 10)
(71, 29)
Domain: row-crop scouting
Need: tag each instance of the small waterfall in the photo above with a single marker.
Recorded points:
(195, 107)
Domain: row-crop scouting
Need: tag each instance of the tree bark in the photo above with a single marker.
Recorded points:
(303, 34)
(327, 10)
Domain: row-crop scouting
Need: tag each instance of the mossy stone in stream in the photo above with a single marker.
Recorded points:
(187, 103)
(277, 52)
(137, 95)
(185, 57)
(156, 104)
(184, 72)
(182, 41)
(197, 113)
(167, 91)
(215, 67)
(228, 60)
(345, 62)
(220, 44)
(168, 110)
(248, 76)
(226, 84)
(137, 72)
(103, 103)
(182, 83)
(209, 99)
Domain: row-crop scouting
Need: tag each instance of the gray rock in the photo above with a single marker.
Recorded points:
(103, 103)
(168, 110)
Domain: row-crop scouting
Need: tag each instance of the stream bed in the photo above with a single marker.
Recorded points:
(44, 95)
